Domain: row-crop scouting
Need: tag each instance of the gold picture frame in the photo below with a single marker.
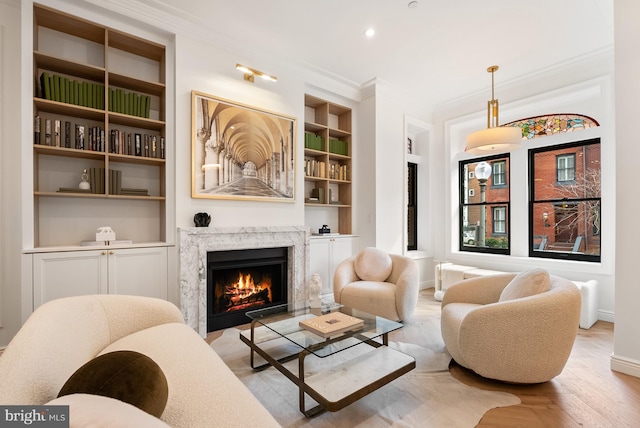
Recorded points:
(241, 152)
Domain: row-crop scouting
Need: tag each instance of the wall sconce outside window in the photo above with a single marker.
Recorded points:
(545, 219)
(250, 73)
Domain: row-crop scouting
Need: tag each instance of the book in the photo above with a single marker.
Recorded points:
(44, 83)
(79, 137)
(154, 146)
(73, 190)
(332, 324)
(36, 130)
(67, 134)
(47, 132)
(56, 132)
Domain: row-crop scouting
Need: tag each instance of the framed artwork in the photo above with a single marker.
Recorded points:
(241, 152)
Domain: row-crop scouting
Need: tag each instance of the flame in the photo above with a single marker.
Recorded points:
(245, 286)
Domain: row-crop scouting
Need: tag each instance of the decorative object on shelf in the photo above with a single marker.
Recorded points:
(250, 73)
(105, 234)
(84, 184)
(494, 139)
(315, 287)
(260, 166)
(202, 219)
(324, 229)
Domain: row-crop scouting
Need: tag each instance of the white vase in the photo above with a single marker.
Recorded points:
(315, 287)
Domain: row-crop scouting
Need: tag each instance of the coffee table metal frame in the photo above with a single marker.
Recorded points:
(278, 322)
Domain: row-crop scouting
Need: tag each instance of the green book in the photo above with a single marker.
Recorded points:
(101, 97)
(147, 106)
(122, 105)
(56, 88)
(63, 89)
(85, 95)
(110, 99)
(136, 104)
(44, 85)
(90, 91)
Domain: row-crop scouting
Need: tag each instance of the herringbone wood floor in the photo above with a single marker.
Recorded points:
(586, 394)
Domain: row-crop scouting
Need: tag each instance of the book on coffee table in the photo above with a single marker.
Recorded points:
(332, 324)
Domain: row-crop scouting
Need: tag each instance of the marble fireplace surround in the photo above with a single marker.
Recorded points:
(196, 242)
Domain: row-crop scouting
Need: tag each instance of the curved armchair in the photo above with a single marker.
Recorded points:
(520, 340)
(382, 284)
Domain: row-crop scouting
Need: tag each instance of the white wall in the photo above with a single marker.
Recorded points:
(10, 170)
(205, 68)
(626, 350)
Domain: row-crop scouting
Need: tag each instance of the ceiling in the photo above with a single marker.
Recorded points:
(438, 50)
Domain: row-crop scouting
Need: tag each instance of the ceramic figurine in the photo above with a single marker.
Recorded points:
(315, 287)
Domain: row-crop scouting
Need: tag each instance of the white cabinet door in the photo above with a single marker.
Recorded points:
(324, 256)
(319, 262)
(138, 271)
(65, 274)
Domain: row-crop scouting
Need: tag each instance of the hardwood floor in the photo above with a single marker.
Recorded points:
(586, 394)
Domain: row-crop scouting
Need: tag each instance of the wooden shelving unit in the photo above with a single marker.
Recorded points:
(83, 51)
(327, 155)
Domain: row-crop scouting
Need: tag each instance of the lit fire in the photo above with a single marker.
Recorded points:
(246, 292)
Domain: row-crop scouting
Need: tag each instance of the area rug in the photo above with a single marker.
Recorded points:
(427, 396)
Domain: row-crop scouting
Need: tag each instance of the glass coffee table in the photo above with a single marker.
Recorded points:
(344, 376)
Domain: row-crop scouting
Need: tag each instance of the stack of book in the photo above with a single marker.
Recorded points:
(338, 147)
(126, 143)
(129, 103)
(51, 132)
(332, 324)
(60, 88)
(314, 168)
(313, 141)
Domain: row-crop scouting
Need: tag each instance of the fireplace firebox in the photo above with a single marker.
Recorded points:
(242, 280)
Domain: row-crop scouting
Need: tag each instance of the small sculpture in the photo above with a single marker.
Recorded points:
(202, 219)
(106, 234)
(315, 287)
(84, 184)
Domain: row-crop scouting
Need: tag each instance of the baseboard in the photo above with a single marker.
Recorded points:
(606, 316)
(625, 365)
(427, 284)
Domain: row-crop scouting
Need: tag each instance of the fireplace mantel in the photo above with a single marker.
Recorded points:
(196, 242)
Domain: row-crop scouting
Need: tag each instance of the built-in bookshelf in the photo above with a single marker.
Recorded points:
(327, 158)
(99, 111)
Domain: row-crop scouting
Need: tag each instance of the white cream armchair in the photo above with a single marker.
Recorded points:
(382, 284)
(519, 331)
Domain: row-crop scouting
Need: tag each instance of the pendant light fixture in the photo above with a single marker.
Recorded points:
(494, 139)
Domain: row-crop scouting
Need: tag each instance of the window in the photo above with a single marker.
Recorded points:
(484, 204)
(499, 173)
(499, 220)
(412, 206)
(566, 167)
(565, 209)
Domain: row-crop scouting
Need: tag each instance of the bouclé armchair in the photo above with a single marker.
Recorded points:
(379, 283)
(513, 334)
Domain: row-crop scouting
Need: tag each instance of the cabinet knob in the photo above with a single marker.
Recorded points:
(111, 252)
(104, 253)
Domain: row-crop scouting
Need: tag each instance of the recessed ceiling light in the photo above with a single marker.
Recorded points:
(370, 32)
(412, 4)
